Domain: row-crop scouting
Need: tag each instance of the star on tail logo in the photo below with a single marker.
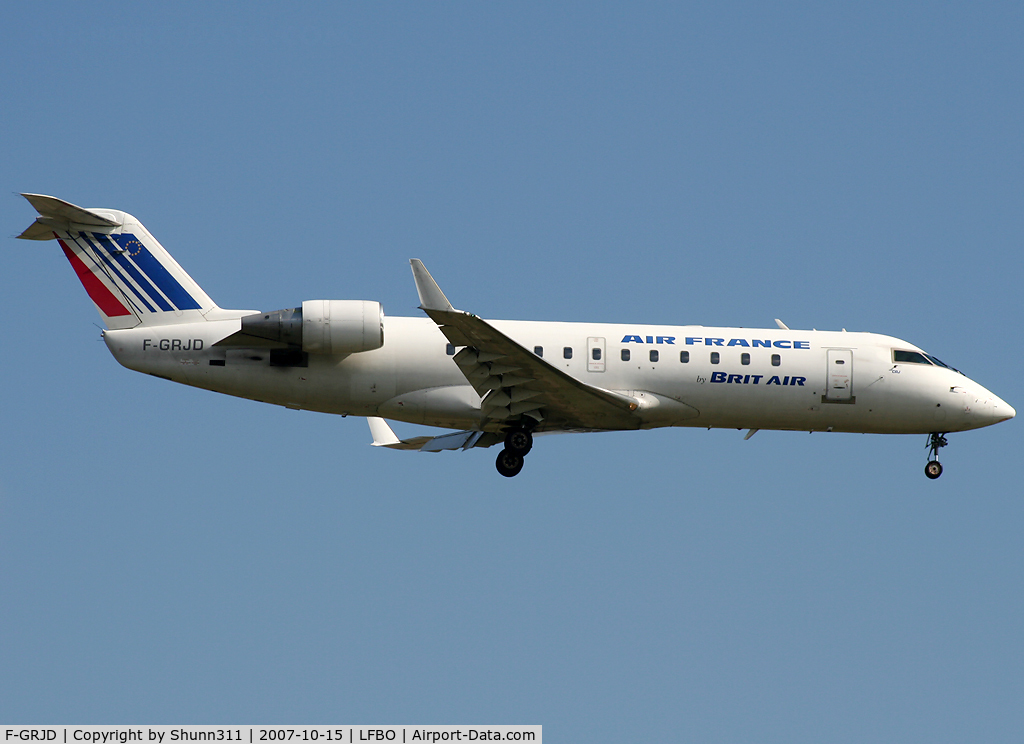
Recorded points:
(133, 247)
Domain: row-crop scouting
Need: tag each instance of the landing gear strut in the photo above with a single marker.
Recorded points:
(518, 442)
(933, 469)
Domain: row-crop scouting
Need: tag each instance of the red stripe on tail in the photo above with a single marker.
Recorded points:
(105, 300)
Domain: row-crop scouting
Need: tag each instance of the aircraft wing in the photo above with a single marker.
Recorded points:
(512, 380)
(384, 436)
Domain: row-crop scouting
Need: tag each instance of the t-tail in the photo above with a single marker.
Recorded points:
(129, 276)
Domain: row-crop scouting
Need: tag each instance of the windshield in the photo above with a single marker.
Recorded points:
(936, 360)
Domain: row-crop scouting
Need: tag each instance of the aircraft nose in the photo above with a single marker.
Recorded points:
(995, 409)
(987, 408)
(1002, 411)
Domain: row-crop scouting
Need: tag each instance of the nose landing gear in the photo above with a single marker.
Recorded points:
(518, 442)
(933, 468)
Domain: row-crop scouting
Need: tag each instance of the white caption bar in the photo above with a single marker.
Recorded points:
(264, 734)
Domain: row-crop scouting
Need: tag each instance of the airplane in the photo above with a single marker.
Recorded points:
(501, 381)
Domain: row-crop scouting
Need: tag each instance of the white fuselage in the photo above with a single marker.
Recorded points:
(817, 381)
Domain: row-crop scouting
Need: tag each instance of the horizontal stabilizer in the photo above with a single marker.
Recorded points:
(57, 214)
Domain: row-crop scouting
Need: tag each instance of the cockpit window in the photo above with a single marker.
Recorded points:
(936, 360)
(909, 357)
(916, 357)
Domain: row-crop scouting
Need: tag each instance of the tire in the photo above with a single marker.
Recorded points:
(519, 441)
(509, 463)
(933, 469)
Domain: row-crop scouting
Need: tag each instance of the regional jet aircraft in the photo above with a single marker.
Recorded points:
(502, 381)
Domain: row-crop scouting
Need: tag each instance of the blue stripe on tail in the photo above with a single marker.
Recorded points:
(134, 273)
(156, 272)
(114, 270)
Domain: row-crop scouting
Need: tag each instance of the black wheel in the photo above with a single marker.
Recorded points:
(519, 441)
(933, 469)
(509, 463)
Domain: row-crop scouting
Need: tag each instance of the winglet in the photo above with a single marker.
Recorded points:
(383, 435)
(431, 296)
(781, 325)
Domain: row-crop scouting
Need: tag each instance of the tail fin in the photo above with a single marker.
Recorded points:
(129, 276)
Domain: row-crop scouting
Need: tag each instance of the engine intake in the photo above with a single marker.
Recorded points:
(322, 326)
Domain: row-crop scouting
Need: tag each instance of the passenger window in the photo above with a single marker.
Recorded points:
(625, 355)
(450, 349)
(654, 355)
(596, 354)
(567, 352)
(776, 360)
(684, 357)
(744, 358)
(538, 350)
(715, 357)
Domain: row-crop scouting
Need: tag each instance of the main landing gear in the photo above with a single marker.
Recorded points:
(933, 469)
(518, 442)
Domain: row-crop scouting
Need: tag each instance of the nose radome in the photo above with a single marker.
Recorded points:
(999, 409)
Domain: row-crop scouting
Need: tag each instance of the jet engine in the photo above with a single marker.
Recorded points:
(322, 326)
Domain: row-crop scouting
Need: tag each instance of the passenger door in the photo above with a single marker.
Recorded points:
(840, 375)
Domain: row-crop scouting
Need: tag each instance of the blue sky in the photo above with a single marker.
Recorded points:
(168, 555)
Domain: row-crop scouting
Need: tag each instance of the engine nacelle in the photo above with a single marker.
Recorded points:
(322, 326)
(342, 326)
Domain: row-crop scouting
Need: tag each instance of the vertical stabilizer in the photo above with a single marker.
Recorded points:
(128, 275)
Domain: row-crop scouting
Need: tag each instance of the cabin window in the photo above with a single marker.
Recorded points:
(625, 355)
(654, 355)
(567, 352)
(538, 350)
(715, 357)
(450, 349)
(744, 358)
(595, 354)
(909, 357)
(776, 360)
(684, 357)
